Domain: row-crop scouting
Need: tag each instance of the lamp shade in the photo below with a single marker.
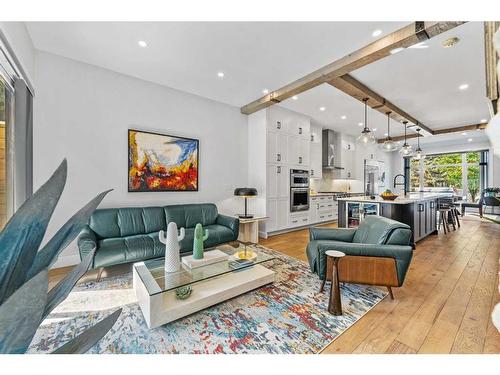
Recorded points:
(245, 192)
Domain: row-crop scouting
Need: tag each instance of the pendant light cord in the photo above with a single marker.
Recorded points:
(366, 101)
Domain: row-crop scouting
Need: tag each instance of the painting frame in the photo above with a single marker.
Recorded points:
(149, 190)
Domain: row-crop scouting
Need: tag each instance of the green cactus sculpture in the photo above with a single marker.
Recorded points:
(199, 238)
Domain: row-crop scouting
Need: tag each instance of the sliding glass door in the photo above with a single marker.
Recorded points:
(6, 188)
(466, 173)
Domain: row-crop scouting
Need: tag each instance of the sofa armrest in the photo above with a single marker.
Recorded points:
(231, 222)
(87, 241)
(334, 234)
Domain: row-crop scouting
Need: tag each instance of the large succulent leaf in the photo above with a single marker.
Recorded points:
(21, 314)
(84, 341)
(21, 237)
(58, 293)
(49, 253)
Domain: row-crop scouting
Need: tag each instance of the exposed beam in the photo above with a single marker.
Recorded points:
(442, 131)
(405, 37)
(491, 59)
(351, 86)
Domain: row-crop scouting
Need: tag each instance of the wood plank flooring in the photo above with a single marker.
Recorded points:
(444, 305)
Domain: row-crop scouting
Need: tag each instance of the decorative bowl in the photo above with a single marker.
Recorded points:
(183, 292)
(389, 197)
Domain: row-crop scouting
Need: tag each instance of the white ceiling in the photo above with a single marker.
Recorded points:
(258, 55)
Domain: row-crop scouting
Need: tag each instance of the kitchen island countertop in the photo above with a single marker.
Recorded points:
(408, 199)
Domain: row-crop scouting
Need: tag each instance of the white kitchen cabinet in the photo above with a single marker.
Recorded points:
(298, 152)
(277, 122)
(277, 181)
(276, 147)
(300, 127)
(297, 219)
(323, 208)
(348, 155)
(277, 211)
(315, 152)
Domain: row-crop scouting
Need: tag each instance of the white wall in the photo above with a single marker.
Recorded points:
(83, 112)
(20, 41)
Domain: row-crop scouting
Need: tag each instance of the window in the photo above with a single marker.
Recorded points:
(464, 172)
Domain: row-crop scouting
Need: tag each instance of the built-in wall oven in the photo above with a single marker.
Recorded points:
(299, 190)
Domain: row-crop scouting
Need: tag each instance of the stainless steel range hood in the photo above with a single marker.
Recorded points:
(331, 150)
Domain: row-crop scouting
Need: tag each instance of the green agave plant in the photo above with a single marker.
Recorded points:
(25, 300)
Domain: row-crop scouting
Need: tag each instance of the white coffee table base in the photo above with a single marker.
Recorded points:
(164, 307)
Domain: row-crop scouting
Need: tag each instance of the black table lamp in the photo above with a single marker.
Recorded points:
(246, 193)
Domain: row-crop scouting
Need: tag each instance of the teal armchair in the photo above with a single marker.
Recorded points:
(378, 252)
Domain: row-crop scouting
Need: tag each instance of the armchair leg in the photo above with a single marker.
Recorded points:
(99, 274)
(390, 292)
(322, 287)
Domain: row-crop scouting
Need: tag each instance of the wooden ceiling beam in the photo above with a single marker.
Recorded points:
(352, 87)
(405, 37)
(457, 129)
(491, 59)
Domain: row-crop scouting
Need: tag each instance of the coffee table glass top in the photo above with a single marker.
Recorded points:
(156, 280)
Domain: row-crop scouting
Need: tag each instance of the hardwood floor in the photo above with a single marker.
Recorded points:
(444, 305)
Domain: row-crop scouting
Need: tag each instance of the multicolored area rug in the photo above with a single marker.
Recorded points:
(289, 316)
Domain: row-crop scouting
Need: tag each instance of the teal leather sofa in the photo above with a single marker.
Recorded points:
(378, 252)
(123, 235)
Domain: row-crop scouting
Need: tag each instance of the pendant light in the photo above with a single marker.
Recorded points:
(389, 145)
(419, 154)
(406, 151)
(366, 136)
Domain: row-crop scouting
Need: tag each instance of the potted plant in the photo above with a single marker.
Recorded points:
(491, 191)
(473, 189)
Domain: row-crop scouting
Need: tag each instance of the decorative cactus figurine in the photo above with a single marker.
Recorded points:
(199, 238)
(172, 247)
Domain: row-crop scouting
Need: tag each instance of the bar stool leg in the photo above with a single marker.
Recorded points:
(457, 214)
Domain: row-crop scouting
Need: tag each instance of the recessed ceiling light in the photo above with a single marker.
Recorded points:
(220, 74)
(360, 124)
(343, 117)
(142, 43)
(374, 129)
(463, 86)
(295, 97)
(464, 133)
(265, 91)
(386, 134)
(484, 121)
(396, 50)
(450, 42)
(322, 108)
(470, 140)
(377, 33)
(420, 45)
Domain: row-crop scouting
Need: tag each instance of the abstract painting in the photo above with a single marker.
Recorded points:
(158, 162)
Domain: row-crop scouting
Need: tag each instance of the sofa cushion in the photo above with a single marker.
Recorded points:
(128, 249)
(130, 221)
(104, 223)
(188, 215)
(218, 234)
(376, 230)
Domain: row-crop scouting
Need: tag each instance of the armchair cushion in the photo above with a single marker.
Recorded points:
(87, 241)
(377, 230)
(334, 234)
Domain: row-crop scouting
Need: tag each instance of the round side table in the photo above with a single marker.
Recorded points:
(334, 303)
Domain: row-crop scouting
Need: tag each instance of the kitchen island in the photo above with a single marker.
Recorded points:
(418, 210)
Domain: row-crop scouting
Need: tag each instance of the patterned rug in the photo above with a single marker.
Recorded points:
(289, 316)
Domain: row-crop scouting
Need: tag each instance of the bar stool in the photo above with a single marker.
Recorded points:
(443, 219)
(448, 213)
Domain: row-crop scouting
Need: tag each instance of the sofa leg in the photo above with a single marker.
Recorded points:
(99, 274)
(322, 287)
(390, 292)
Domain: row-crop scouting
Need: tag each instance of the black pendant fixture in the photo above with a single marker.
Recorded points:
(406, 151)
(419, 154)
(366, 136)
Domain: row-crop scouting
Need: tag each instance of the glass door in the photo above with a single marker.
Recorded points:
(370, 209)
(5, 176)
(353, 213)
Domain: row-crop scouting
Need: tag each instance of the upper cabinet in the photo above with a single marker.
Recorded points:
(315, 145)
(347, 146)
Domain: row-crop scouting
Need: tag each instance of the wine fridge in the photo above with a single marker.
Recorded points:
(357, 211)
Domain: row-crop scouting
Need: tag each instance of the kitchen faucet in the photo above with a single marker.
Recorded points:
(399, 183)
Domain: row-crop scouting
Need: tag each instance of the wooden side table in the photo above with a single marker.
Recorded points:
(249, 229)
(334, 303)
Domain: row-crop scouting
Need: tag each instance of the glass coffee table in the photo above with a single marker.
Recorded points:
(165, 297)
